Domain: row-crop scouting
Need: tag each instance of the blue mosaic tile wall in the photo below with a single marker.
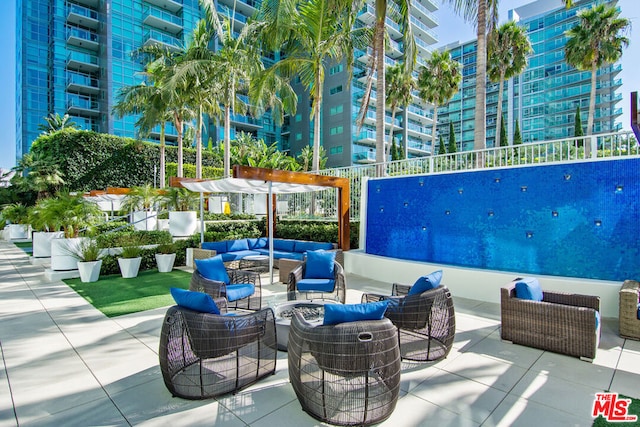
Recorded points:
(573, 220)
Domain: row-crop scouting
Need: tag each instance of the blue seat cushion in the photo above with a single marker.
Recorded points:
(238, 245)
(281, 254)
(320, 265)
(240, 291)
(638, 315)
(529, 288)
(318, 285)
(283, 245)
(213, 269)
(196, 301)
(219, 247)
(259, 243)
(341, 313)
(425, 283)
(232, 256)
(304, 246)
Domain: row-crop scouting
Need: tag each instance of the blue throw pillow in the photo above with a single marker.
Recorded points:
(238, 245)
(213, 269)
(196, 301)
(425, 283)
(340, 313)
(529, 288)
(319, 265)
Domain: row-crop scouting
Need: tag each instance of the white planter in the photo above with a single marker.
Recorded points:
(89, 270)
(145, 220)
(41, 241)
(18, 231)
(183, 223)
(63, 253)
(129, 266)
(165, 262)
(163, 224)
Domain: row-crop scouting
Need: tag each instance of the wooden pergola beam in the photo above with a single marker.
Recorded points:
(342, 184)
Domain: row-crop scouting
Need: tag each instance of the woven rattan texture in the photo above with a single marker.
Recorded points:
(628, 310)
(561, 322)
(339, 289)
(345, 374)
(204, 355)
(219, 289)
(426, 322)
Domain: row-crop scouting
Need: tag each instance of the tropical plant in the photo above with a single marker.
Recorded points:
(312, 35)
(395, 152)
(87, 251)
(130, 251)
(400, 86)
(140, 198)
(249, 151)
(502, 135)
(55, 122)
(166, 248)
(15, 213)
(305, 158)
(74, 213)
(596, 40)
(577, 127)
(180, 199)
(508, 48)
(438, 81)
(441, 147)
(38, 172)
(452, 148)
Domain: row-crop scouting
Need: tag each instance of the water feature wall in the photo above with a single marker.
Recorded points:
(572, 220)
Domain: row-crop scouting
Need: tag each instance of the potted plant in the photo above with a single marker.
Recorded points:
(129, 261)
(45, 225)
(183, 219)
(139, 201)
(15, 215)
(165, 257)
(88, 257)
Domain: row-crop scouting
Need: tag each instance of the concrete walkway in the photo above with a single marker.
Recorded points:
(65, 364)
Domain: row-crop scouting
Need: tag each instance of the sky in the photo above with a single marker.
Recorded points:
(451, 28)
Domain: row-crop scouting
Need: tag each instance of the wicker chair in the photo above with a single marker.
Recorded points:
(345, 374)
(628, 314)
(219, 289)
(298, 273)
(426, 322)
(561, 322)
(204, 355)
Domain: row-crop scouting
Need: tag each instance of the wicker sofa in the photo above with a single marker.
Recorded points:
(561, 322)
(629, 310)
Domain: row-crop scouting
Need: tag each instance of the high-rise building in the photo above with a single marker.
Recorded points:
(74, 56)
(544, 98)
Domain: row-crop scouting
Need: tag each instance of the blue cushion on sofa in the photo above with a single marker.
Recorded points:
(197, 301)
(283, 245)
(320, 265)
(238, 245)
(317, 285)
(213, 269)
(304, 246)
(340, 313)
(259, 243)
(425, 283)
(529, 288)
(240, 291)
(219, 247)
(232, 256)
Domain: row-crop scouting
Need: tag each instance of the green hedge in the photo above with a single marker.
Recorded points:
(318, 231)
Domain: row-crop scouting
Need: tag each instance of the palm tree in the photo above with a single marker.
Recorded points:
(312, 34)
(452, 139)
(39, 173)
(508, 49)
(399, 93)
(55, 123)
(438, 81)
(596, 41)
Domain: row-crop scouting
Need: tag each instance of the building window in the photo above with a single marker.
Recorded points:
(335, 90)
(336, 69)
(336, 110)
(298, 137)
(335, 150)
(336, 130)
(298, 118)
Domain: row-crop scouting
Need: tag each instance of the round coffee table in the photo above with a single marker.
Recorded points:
(312, 311)
(258, 263)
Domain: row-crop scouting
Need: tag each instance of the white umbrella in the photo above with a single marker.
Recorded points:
(250, 186)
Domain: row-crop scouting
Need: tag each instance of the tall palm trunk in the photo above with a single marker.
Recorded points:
(381, 14)
(393, 117)
(316, 120)
(162, 154)
(178, 123)
(499, 112)
(434, 130)
(227, 141)
(592, 109)
(480, 126)
(199, 144)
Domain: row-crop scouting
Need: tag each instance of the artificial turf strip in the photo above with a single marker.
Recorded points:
(633, 409)
(27, 247)
(115, 296)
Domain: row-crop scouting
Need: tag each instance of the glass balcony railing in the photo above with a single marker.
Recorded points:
(82, 79)
(225, 11)
(82, 34)
(425, 11)
(153, 35)
(82, 57)
(163, 15)
(82, 102)
(82, 11)
(424, 28)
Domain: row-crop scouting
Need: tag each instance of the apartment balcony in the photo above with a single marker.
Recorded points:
(84, 106)
(417, 130)
(368, 14)
(239, 20)
(82, 38)
(80, 15)
(246, 7)
(395, 49)
(418, 114)
(423, 47)
(82, 83)
(161, 19)
(245, 122)
(90, 3)
(423, 14)
(83, 62)
(172, 6)
(157, 37)
(370, 119)
(285, 130)
(364, 157)
(421, 30)
(430, 5)
(170, 134)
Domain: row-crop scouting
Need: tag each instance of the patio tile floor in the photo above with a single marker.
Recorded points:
(64, 363)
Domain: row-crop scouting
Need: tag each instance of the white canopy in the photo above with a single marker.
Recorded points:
(249, 186)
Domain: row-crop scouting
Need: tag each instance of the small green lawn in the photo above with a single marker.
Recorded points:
(115, 296)
(27, 247)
